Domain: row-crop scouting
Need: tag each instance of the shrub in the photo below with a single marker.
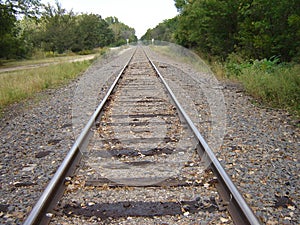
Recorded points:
(273, 83)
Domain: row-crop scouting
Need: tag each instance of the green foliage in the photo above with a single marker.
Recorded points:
(91, 31)
(163, 31)
(269, 27)
(180, 4)
(12, 44)
(51, 54)
(54, 30)
(8, 37)
(235, 65)
(273, 83)
(255, 28)
(85, 52)
(61, 31)
(209, 26)
(57, 29)
(24, 7)
(7, 19)
(121, 31)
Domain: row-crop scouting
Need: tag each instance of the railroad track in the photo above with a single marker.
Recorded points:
(140, 160)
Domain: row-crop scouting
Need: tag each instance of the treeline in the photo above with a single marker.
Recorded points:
(27, 27)
(164, 31)
(256, 29)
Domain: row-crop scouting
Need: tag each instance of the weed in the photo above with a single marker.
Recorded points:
(273, 83)
(18, 85)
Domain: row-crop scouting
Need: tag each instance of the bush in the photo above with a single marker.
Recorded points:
(273, 83)
(85, 52)
(234, 65)
(50, 54)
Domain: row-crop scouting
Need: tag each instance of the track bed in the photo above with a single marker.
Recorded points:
(141, 166)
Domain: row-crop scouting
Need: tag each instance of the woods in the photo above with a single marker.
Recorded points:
(28, 27)
(254, 28)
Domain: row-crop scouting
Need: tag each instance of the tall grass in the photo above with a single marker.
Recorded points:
(18, 85)
(274, 84)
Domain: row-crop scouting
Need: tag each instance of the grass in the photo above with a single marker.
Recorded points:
(40, 61)
(280, 89)
(274, 84)
(19, 85)
(41, 57)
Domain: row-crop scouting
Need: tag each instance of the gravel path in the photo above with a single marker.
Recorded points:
(260, 148)
(35, 137)
(261, 153)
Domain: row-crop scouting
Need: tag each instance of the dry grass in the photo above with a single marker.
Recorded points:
(18, 85)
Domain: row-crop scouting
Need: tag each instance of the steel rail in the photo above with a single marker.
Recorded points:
(49, 196)
(240, 211)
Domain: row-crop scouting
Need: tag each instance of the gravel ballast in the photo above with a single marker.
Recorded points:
(37, 134)
(259, 148)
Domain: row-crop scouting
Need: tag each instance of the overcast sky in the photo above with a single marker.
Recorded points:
(138, 14)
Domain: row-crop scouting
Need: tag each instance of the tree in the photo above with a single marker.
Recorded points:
(255, 28)
(209, 25)
(58, 28)
(121, 31)
(163, 31)
(269, 27)
(24, 7)
(181, 4)
(11, 44)
(55, 29)
(62, 31)
(91, 31)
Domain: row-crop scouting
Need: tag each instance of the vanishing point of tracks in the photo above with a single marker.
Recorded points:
(140, 158)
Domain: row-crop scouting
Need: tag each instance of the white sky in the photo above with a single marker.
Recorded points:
(138, 14)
